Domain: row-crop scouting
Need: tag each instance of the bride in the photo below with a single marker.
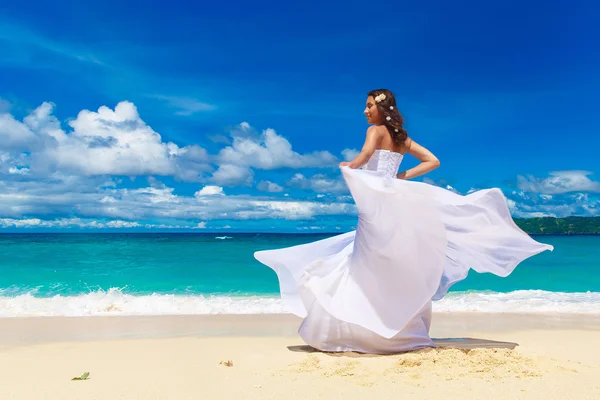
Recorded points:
(371, 290)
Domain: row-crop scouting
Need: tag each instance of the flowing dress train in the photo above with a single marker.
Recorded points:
(371, 290)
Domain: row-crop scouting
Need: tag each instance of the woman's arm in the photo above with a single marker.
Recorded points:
(367, 151)
(429, 162)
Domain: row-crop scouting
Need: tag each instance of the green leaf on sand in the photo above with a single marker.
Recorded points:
(82, 377)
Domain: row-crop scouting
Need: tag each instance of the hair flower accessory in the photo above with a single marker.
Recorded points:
(391, 107)
(380, 97)
(388, 118)
(396, 130)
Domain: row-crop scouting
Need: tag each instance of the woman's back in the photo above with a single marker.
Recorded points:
(387, 142)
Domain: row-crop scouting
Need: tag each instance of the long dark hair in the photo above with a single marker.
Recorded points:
(392, 119)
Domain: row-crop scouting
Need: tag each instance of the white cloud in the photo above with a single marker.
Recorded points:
(23, 223)
(232, 175)
(64, 223)
(122, 224)
(268, 186)
(42, 121)
(209, 191)
(534, 214)
(106, 142)
(66, 195)
(31, 203)
(18, 171)
(156, 195)
(318, 183)
(165, 226)
(14, 135)
(118, 142)
(311, 228)
(193, 164)
(512, 205)
(560, 182)
(443, 184)
(297, 209)
(4, 106)
(201, 225)
(592, 208)
(48, 174)
(185, 106)
(528, 205)
(452, 189)
(349, 154)
(271, 151)
(580, 197)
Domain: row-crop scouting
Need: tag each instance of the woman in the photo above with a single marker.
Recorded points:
(370, 290)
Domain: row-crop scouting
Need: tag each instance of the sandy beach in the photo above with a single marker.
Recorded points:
(481, 356)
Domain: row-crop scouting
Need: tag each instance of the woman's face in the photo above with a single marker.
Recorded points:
(372, 112)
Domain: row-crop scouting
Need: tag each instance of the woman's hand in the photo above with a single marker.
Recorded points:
(344, 164)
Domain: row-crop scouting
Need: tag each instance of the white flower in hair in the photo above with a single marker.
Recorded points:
(391, 107)
(396, 130)
(388, 118)
(379, 98)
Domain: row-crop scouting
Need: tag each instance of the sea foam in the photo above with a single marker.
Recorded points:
(116, 302)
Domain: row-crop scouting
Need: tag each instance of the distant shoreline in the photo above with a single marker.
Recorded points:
(542, 226)
(271, 233)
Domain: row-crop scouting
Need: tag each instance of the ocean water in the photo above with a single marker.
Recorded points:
(180, 273)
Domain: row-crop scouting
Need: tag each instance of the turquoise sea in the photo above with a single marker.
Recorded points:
(71, 274)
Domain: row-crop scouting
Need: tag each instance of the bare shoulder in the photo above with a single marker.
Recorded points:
(372, 130)
(376, 131)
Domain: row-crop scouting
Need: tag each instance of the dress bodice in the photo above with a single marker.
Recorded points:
(386, 161)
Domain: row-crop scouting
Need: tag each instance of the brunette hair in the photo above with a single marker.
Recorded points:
(392, 119)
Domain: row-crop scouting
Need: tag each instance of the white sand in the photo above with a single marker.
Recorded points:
(186, 358)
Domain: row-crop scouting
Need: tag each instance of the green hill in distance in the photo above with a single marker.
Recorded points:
(560, 226)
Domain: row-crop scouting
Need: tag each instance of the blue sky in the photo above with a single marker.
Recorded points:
(140, 115)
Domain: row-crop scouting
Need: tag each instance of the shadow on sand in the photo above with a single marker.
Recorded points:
(449, 343)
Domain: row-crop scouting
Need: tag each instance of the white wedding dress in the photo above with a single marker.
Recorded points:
(371, 290)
